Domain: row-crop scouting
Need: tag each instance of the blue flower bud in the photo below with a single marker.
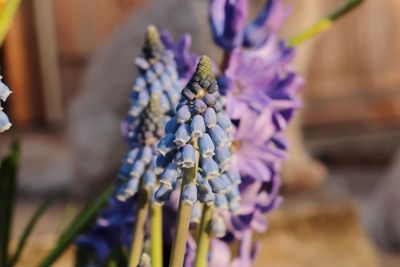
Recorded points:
(132, 187)
(233, 197)
(224, 121)
(182, 135)
(197, 126)
(171, 70)
(163, 161)
(234, 176)
(178, 157)
(183, 114)
(210, 99)
(210, 118)
(165, 105)
(205, 192)
(222, 157)
(170, 174)
(171, 126)
(220, 184)
(221, 202)
(165, 80)
(189, 194)
(188, 159)
(210, 168)
(124, 170)
(219, 136)
(205, 83)
(218, 107)
(142, 63)
(196, 213)
(188, 93)
(139, 84)
(143, 98)
(206, 146)
(199, 106)
(158, 68)
(132, 155)
(196, 87)
(4, 122)
(135, 109)
(166, 144)
(156, 88)
(150, 76)
(146, 154)
(173, 95)
(218, 226)
(163, 193)
(137, 169)
(149, 179)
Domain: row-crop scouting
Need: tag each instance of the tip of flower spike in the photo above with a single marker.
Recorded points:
(203, 80)
(153, 46)
(204, 67)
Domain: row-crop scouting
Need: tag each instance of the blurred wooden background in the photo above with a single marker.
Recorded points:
(353, 72)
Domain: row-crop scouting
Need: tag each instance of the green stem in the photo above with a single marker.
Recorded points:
(156, 236)
(203, 238)
(324, 24)
(7, 16)
(184, 214)
(138, 233)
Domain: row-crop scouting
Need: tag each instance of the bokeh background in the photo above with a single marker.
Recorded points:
(70, 63)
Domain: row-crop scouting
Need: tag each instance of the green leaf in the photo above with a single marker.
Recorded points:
(28, 230)
(8, 187)
(81, 222)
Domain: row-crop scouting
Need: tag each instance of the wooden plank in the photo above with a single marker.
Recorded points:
(20, 71)
(48, 57)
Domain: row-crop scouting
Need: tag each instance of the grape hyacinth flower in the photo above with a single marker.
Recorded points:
(199, 125)
(155, 94)
(4, 121)
(228, 21)
(196, 149)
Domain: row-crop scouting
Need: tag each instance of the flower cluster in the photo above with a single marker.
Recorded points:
(154, 97)
(228, 20)
(200, 133)
(4, 121)
(155, 94)
(261, 89)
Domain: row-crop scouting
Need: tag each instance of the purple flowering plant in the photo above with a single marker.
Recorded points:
(205, 149)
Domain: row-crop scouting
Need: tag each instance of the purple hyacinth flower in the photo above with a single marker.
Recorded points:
(268, 22)
(185, 61)
(262, 82)
(227, 20)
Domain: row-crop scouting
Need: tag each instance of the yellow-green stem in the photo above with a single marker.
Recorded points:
(138, 233)
(7, 16)
(156, 236)
(184, 213)
(324, 23)
(203, 238)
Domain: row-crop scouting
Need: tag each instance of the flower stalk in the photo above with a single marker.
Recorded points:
(184, 214)
(138, 233)
(203, 237)
(324, 24)
(156, 243)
